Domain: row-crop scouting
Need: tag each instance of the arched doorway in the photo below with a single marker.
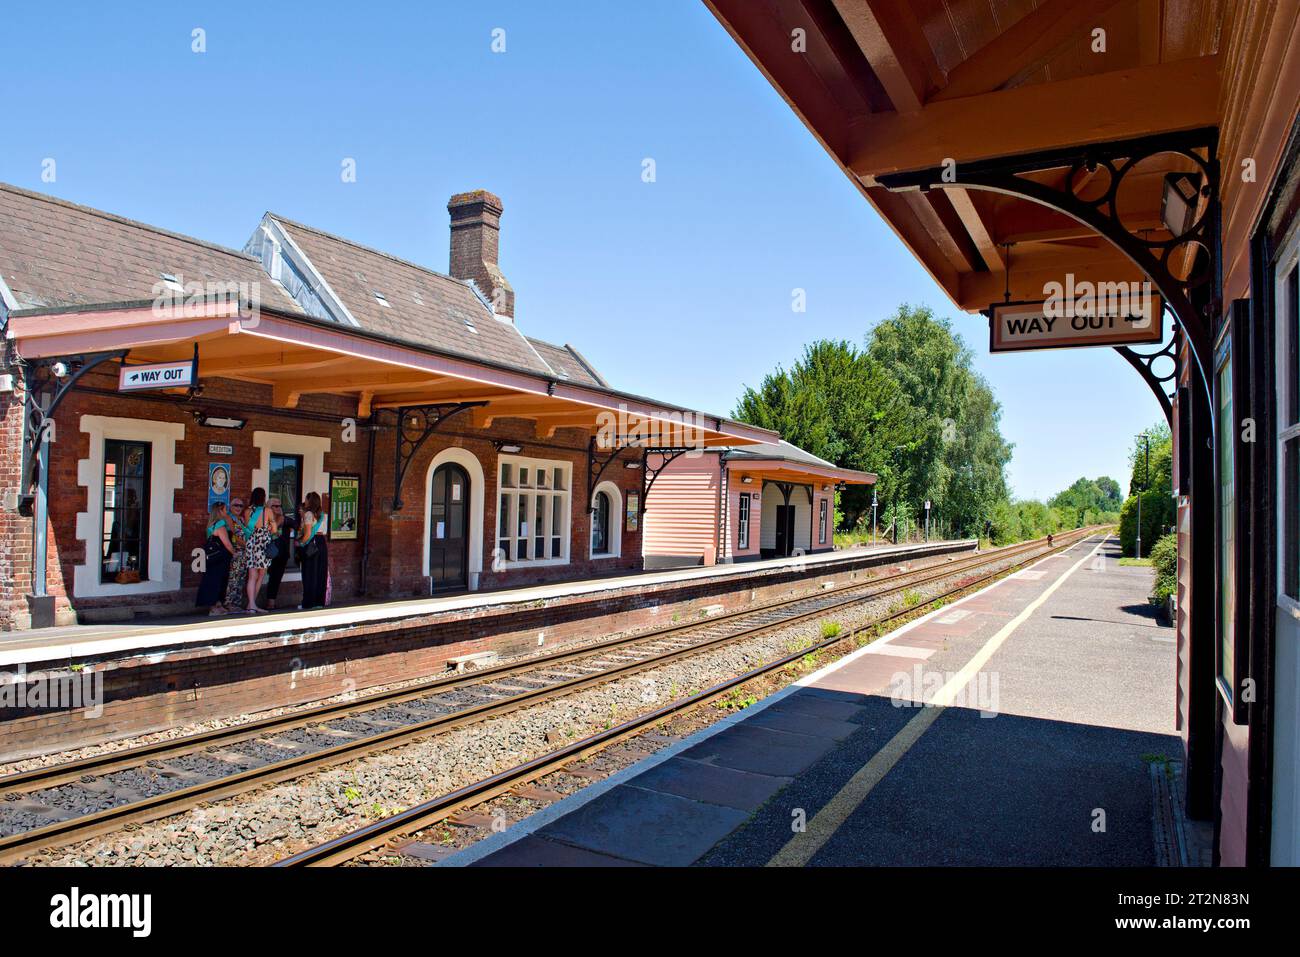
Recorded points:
(448, 531)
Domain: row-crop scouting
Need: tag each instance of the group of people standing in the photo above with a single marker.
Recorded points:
(247, 547)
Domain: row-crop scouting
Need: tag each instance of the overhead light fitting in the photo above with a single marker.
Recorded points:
(218, 421)
(507, 447)
(1178, 205)
(747, 480)
(632, 465)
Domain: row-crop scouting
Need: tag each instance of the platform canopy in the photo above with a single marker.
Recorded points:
(783, 462)
(892, 87)
(298, 355)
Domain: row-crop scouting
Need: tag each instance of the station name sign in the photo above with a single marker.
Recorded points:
(157, 375)
(1112, 314)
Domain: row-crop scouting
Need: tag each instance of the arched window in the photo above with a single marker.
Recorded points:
(600, 524)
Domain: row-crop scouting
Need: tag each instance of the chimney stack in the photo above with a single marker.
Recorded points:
(475, 235)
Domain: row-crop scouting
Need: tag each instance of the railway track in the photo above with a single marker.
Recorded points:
(107, 792)
(383, 833)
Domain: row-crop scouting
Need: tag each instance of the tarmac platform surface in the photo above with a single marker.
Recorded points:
(1047, 696)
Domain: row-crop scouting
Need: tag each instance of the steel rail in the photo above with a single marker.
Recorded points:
(58, 833)
(65, 772)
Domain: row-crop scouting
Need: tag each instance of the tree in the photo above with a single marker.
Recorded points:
(1152, 477)
(958, 458)
(839, 404)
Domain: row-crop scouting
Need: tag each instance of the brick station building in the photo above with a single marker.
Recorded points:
(481, 458)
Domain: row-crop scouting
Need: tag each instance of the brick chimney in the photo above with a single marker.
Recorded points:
(475, 234)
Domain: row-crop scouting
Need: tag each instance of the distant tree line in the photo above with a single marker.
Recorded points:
(909, 406)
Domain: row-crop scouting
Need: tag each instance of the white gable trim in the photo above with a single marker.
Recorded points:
(286, 248)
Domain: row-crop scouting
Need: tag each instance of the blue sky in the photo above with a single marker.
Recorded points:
(678, 289)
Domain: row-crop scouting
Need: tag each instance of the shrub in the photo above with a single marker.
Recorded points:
(1164, 561)
(1157, 515)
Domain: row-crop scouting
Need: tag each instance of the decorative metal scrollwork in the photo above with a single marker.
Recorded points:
(1144, 363)
(43, 393)
(1184, 266)
(653, 463)
(414, 424)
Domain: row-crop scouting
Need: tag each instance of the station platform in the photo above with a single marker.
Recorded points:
(1048, 697)
(150, 676)
(72, 642)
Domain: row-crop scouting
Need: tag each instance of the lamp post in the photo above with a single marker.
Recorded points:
(893, 457)
(1146, 481)
(873, 515)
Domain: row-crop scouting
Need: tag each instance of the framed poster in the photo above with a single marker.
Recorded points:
(345, 501)
(633, 510)
(218, 484)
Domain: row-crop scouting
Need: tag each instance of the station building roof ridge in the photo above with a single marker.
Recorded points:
(54, 252)
(418, 305)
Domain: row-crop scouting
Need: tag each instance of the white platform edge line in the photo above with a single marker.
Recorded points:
(539, 819)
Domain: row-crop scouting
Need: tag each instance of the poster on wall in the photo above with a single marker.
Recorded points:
(633, 510)
(218, 484)
(345, 499)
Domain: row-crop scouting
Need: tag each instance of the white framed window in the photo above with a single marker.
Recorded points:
(534, 510)
(606, 521)
(821, 523)
(129, 527)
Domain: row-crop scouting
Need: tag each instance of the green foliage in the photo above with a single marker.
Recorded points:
(908, 407)
(1024, 519)
(1157, 518)
(1156, 469)
(839, 404)
(1088, 502)
(830, 629)
(1164, 559)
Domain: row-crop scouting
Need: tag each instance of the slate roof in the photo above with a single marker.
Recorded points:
(55, 253)
(568, 363)
(424, 307)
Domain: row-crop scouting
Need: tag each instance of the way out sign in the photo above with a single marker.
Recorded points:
(158, 375)
(1076, 323)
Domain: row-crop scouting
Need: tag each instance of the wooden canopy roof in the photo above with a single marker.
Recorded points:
(889, 86)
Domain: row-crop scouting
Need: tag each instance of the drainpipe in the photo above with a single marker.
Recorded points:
(40, 517)
(370, 499)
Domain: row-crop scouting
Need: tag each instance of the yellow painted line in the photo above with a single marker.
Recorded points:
(801, 848)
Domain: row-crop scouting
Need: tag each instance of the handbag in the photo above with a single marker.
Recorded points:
(213, 549)
(272, 550)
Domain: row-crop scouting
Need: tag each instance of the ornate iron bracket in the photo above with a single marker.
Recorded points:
(1185, 268)
(649, 472)
(596, 467)
(1144, 363)
(414, 425)
(38, 416)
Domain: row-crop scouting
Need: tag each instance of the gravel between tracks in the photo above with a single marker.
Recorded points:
(272, 822)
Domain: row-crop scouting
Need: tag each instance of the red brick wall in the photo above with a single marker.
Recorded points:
(396, 538)
(15, 531)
